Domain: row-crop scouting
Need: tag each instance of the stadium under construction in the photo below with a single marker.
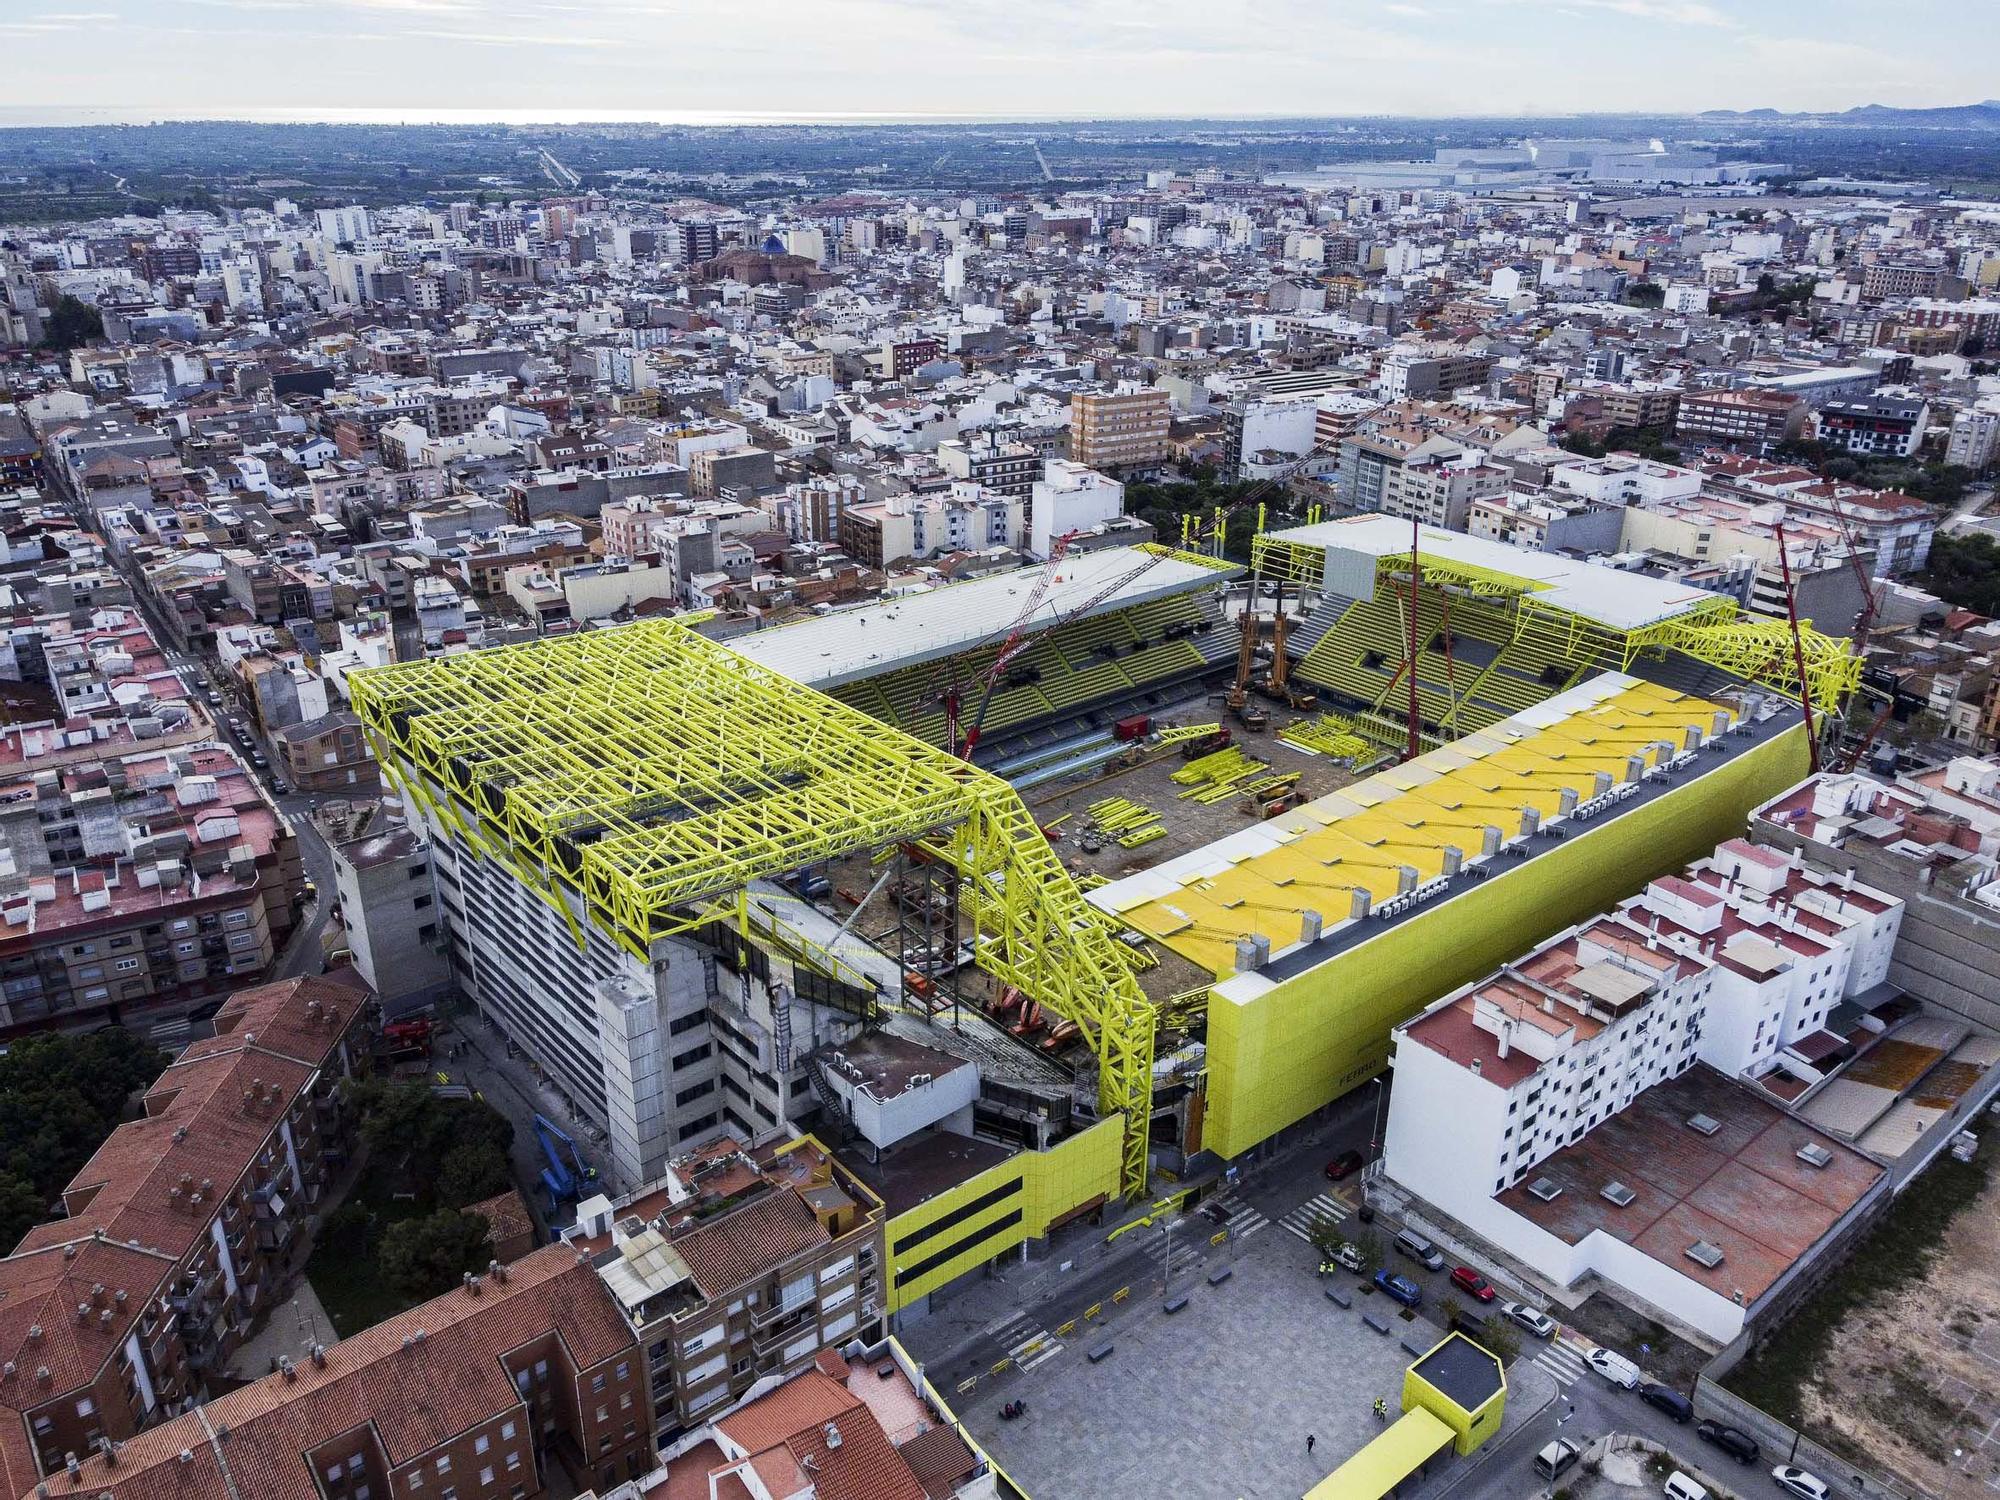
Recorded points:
(755, 883)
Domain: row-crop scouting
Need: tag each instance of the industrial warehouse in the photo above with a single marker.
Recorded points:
(761, 885)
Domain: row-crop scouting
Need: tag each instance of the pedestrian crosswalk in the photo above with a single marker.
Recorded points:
(1321, 1208)
(1027, 1343)
(1243, 1220)
(1562, 1360)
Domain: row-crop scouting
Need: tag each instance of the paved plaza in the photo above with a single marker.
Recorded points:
(1211, 1403)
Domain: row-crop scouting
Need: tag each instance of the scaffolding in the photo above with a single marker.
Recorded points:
(640, 778)
(1713, 631)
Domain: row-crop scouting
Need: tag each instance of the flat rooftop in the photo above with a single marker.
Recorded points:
(1608, 596)
(1264, 878)
(1742, 1190)
(853, 644)
(918, 1169)
(1462, 1371)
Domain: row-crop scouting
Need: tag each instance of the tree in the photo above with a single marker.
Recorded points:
(21, 1207)
(1368, 1244)
(1500, 1341)
(1451, 1310)
(73, 322)
(1964, 570)
(1645, 294)
(471, 1173)
(1325, 1237)
(425, 1256)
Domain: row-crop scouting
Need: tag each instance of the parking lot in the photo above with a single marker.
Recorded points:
(1216, 1400)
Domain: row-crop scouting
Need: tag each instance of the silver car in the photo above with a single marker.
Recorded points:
(1540, 1324)
(1799, 1482)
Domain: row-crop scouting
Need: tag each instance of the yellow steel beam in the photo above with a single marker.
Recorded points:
(646, 773)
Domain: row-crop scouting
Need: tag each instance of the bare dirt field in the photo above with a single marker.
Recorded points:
(1896, 1362)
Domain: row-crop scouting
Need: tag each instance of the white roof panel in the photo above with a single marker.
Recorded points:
(1609, 596)
(852, 644)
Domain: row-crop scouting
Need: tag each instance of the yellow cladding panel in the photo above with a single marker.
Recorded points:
(1374, 1473)
(1275, 1058)
(1363, 837)
(1052, 1184)
(1468, 1428)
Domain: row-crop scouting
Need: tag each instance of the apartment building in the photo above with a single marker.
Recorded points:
(175, 1232)
(868, 1426)
(1961, 322)
(969, 518)
(327, 754)
(1753, 420)
(1407, 374)
(1125, 428)
(522, 1383)
(1440, 488)
(1873, 426)
(1928, 838)
(1636, 1037)
(137, 884)
(734, 1268)
(1004, 466)
(388, 909)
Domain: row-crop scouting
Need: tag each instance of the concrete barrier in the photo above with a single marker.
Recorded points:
(1338, 1298)
(1176, 1304)
(1217, 1277)
(1376, 1322)
(1100, 1353)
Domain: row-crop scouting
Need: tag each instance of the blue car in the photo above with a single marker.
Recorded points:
(1401, 1288)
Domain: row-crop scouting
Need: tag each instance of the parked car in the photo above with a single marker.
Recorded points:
(1556, 1457)
(1349, 1255)
(1343, 1166)
(1738, 1445)
(1420, 1250)
(1680, 1487)
(280, 787)
(1539, 1323)
(1668, 1400)
(1799, 1482)
(1615, 1368)
(1399, 1288)
(1475, 1286)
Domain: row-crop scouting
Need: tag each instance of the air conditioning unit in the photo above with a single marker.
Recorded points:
(1813, 1154)
(1617, 1194)
(1543, 1190)
(1705, 1255)
(1703, 1124)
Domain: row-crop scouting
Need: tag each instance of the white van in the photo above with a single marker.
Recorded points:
(1614, 1367)
(1680, 1487)
(1420, 1250)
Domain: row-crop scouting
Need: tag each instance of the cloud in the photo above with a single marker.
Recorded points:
(501, 39)
(1678, 12)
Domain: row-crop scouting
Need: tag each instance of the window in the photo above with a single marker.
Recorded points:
(486, 1476)
(689, 1095)
(597, 1383)
(481, 1443)
(85, 1407)
(444, 1463)
(507, 1431)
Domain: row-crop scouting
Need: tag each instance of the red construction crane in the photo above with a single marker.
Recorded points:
(1798, 644)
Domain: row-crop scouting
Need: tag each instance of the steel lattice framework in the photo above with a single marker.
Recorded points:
(1752, 648)
(640, 778)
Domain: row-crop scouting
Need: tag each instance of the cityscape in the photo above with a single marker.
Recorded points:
(1043, 777)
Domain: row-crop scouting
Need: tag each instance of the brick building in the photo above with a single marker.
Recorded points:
(177, 1232)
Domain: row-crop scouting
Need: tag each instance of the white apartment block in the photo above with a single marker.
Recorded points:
(1735, 964)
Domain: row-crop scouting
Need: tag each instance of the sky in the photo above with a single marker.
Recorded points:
(701, 60)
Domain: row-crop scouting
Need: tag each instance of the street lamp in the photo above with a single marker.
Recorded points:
(1375, 1134)
(1167, 1282)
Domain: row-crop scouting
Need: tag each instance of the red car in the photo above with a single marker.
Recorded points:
(1344, 1165)
(1472, 1284)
